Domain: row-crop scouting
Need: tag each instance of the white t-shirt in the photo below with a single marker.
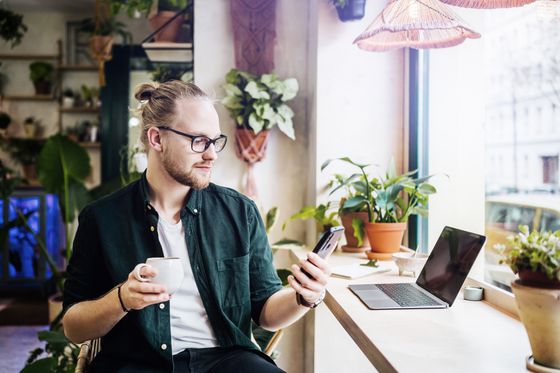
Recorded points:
(190, 327)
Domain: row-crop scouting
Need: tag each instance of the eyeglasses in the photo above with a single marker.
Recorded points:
(199, 144)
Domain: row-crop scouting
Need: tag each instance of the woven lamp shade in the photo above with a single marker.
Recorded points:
(416, 24)
(488, 4)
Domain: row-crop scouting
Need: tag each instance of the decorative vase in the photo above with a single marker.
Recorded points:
(539, 310)
(169, 33)
(351, 241)
(352, 11)
(67, 102)
(384, 239)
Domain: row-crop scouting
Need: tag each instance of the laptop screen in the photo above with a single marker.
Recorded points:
(449, 263)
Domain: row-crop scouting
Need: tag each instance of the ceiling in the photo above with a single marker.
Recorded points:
(50, 5)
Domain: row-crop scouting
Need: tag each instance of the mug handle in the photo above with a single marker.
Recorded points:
(136, 272)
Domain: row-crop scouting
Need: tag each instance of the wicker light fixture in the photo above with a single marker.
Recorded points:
(415, 24)
(488, 4)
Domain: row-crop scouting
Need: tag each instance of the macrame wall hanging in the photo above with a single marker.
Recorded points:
(254, 37)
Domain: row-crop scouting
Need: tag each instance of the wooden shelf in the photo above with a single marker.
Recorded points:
(77, 68)
(28, 56)
(30, 98)
(80, 110)
(90, 145)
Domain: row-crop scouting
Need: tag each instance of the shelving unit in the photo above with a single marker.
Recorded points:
(30, 98)
(82, 110)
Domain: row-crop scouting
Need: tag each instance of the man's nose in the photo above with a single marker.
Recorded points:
(210, 153)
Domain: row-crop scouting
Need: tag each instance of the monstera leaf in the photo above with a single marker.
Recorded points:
(63, 166)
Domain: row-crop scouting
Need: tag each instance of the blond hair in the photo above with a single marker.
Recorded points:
(159, 100)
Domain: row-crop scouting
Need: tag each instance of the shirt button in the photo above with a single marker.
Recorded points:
(164, 347)
(195, 211)
(161, 306)
(152, 228)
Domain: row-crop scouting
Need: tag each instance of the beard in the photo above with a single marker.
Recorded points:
(177, 172)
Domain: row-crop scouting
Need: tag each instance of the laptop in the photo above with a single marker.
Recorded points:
(439, 282)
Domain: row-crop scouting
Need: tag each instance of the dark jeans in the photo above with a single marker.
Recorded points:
(223, 360)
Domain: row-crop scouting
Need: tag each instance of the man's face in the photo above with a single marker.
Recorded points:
(196, 118)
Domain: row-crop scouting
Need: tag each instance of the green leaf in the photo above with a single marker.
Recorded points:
(291, 88)
(232, 102)
(358, 227)
(45, 365)
(271, 217)
(287, 241)
(371, 263)
(62, 167)
(253, 90)
(270, 80)
(286, 126)
(426, 188)
(255, 123)
(268, 112)
(354, 201)
(232, 90)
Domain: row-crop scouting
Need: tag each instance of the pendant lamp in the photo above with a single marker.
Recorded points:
(415, 24)
(488, 4)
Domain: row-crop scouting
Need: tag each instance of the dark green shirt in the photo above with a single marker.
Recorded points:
(228, 251)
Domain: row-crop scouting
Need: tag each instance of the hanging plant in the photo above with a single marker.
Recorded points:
(12, 28)
(350, 10)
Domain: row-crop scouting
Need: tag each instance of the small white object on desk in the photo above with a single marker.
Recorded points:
(356, 270)
(473, 293)
(410, 262)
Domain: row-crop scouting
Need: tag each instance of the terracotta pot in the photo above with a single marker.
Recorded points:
(42, 87)
(539, 310)
(169, 33)
(100, 47)
(384, 239)
(249, 147)
(537, 279)
(351, 241)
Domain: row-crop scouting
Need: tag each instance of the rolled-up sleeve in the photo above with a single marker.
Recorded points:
(85, 271)
(264, 280)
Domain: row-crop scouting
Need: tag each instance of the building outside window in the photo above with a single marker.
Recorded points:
(494, 129)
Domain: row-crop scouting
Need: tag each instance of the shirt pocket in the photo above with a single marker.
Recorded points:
(233, 280)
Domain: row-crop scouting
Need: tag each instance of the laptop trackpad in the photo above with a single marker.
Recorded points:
(373, 297)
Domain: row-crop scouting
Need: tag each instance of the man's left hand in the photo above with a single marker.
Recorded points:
(310, 288)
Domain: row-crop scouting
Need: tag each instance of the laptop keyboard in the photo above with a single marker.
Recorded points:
(406, 296)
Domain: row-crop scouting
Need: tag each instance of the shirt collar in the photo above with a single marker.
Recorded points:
(193, 204)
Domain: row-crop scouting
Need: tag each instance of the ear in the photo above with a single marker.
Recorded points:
(154, 139)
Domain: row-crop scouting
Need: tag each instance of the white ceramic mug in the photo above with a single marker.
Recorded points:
(169, 272)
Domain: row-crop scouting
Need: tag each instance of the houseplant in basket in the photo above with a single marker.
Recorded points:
(12, 27)
(535, 257)
(389, 200)
(256, 104)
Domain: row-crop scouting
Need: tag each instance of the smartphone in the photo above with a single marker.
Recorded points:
(326, 244)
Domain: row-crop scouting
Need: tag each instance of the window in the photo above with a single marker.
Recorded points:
(492, 183)
(550, 170)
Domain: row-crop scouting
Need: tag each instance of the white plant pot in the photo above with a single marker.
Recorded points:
(539, 310)
(140, 161)
(30, 130)
(68, 102)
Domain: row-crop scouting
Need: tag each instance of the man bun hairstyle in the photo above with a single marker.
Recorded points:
(158, 103)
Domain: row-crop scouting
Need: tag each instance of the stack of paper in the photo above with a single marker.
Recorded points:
(355, 270)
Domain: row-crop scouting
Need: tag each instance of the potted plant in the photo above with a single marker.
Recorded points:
(164, 72)
(12, 27)
(5, 121)
(535, 257)
(389, 200)
(257, 104)
(350, 10)
(24, 152)
(68, 98)
(41, 74)
(31, 127)
(353, 218)
(323, 214)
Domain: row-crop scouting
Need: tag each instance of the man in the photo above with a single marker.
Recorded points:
(174, 210)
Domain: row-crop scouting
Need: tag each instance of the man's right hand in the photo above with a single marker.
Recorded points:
(137, 295)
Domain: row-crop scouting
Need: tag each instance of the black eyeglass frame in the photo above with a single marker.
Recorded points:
(193, 138)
